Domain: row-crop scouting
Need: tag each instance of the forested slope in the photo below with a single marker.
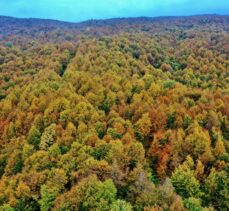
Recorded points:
(119, 114)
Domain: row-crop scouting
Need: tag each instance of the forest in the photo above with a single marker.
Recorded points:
(128, 114)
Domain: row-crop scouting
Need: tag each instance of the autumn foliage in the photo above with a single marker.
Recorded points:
(120, 114)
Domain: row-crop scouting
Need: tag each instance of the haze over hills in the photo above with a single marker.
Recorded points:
(11, 25)
(201, 18)
(118, 114)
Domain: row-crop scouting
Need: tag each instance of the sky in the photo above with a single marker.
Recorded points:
(80, 10)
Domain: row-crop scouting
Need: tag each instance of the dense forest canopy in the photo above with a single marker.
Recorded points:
(119, 114)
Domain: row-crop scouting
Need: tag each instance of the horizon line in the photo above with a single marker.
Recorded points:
(112, 18)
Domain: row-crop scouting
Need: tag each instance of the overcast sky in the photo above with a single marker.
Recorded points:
(78, 10)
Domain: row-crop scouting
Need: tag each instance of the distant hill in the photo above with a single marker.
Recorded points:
(11, 23)
(208, 18)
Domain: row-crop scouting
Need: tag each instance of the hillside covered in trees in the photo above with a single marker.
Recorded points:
(119, 114)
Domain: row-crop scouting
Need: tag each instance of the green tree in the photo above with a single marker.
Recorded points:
(121, 205)
(6, 207)
(27, 205)
(184, 182)
(216, 189)
(34, 137)
(99, 196)
(48, 137)
(193, 204)
(47, 198)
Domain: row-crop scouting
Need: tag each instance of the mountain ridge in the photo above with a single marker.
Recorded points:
(144, 18)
